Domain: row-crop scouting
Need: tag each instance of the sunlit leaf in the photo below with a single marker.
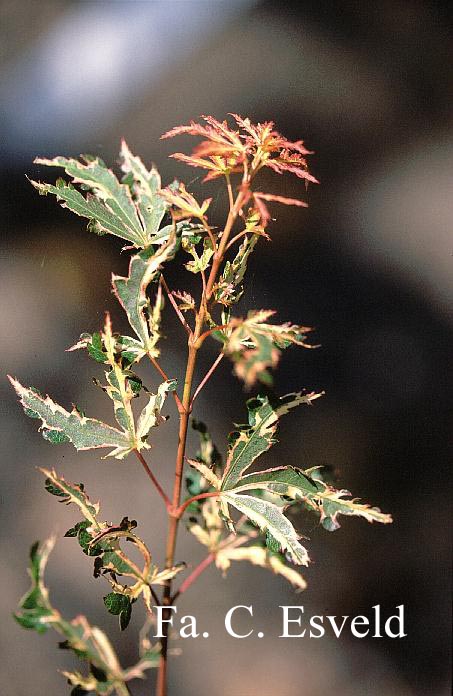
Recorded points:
(260, 556)
(109, 207)
(183, 203)
(72, 493)
(330, 503)
(145, 185)
(35, 610)
(131, 293)
(151, 414)
(84, 433)
(270, 518)
(249, 441)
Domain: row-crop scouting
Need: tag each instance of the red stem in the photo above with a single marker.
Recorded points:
(179, 510)
(174, 304)
(156, 483)
(194, 575)
(166, 378)
(206, 377)
(207, 333)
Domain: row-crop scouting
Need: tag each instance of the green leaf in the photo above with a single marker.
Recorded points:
(109, 207)
(95, 348)
(126, 349)
(200, 261)
(131, 293)
(35, 611)
(119, 605)
(131, 349)
(270, 519)
(85, 538)
(56, 437)
(330, 503)
(187, 230)
(88, 642)
(286, 481)
(203, 475)
(72, 493)
(229, 289)
(145, 186)
(249, 441)
(119, 563)
(84, 433)
(208, 453)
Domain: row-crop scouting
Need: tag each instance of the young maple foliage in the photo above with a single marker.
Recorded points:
(236, 513)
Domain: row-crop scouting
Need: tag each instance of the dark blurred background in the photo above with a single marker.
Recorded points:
(367, 86)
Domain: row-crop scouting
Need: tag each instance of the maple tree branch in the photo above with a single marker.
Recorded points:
(209, 231)
(218, 256)
(164, 375)
(236, 238)
(156, 483)
(161, 686)
(230, 191)
(207, 377)
(207, 333)
(155, 597)
(178, 512)
(195, 574)
(174, 304)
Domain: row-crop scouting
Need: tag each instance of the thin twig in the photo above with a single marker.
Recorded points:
(207, 377)
(155, 597)
(197, 571)
(156, 483)
(235, 238)
(230, 191)
(209, 231)
(207, 333)
(203, 280)
(174, 304)
(166, 378)
(178, 512)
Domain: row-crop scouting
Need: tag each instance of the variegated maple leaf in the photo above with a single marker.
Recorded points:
(102, 541)
(183, 203)
(59, 425)
(131, 209)
(88, 642)
(263, 496)
(209, 529)
(254, 345)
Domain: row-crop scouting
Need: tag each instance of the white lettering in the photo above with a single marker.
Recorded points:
(161, 620)
(287, 620)
(361, 621)
(400, 621)
(228, 618)
(317, 626)
(189, 631)
(333, 623)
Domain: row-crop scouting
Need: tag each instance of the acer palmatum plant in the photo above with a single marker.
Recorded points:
(237, 515)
